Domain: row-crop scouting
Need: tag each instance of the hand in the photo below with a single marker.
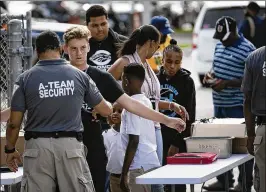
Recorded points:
(176, 123)
(219, 85)
(173, 150)
(94, 115)
(250, 145)
(124, 183)
(180, 110)
(207, 77)
(12, 160)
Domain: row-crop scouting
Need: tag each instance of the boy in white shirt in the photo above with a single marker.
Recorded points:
(114, 152)
(137, 134)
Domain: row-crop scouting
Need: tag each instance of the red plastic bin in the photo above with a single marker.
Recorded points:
(192, 158)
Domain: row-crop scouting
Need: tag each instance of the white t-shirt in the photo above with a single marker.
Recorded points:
(146, 156)
(114, 152)
(151, 85)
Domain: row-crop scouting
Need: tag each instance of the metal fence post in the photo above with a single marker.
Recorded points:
(29, 39)
(14, 44)
(15, 53)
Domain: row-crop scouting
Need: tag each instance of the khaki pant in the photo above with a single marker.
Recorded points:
(49, 162)
(115, 184)
(259, 150)
(133, 174)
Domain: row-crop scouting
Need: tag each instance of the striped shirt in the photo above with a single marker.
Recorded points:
(228, 64)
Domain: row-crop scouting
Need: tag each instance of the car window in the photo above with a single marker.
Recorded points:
(213, 15)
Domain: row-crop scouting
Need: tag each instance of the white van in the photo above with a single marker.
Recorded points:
(203, 42)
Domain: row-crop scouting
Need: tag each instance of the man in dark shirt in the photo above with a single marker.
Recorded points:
(52, 93)
(254, 88)
(104, 41)
(253, 26)
(76, 46)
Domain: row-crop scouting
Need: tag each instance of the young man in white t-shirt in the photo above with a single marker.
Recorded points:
(115, 154)
(139, 144)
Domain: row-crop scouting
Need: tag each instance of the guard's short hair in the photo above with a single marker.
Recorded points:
(47, 40)
(77, 32)
(135, 70)
(95, 11)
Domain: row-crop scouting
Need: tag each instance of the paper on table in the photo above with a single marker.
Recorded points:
(225, 121)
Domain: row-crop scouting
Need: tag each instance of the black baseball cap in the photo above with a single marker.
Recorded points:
(224, 26)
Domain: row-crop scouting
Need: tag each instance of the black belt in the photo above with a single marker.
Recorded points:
(34, 134)
(261, 120)
(116, 175)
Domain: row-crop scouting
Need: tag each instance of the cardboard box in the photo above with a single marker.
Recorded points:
(228, 127)
(240, 145)
(19, 146)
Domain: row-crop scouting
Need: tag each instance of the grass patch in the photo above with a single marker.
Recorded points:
(177, 30)
(185, 45)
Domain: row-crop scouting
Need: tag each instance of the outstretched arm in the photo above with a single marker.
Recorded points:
(104, 108)
(141, 110)
(179, 109)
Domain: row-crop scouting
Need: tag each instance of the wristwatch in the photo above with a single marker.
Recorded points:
(9, 150)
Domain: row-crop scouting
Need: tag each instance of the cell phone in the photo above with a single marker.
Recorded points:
(153, 102)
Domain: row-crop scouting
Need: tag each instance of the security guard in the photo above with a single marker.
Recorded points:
(254, 87)
(52, 92)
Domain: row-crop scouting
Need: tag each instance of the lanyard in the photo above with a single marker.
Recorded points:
(152, 91)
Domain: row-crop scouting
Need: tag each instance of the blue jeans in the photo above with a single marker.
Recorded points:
(107, 182)
(229, 112)
(157, 188)
(159, 142)
(235, 112)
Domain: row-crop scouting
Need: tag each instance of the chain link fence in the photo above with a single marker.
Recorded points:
(15, 53)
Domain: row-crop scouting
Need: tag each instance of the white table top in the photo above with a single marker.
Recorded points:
(11, 177)
(192, 174)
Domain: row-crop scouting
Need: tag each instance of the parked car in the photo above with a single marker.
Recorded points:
(203, 42)
(40, 25)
